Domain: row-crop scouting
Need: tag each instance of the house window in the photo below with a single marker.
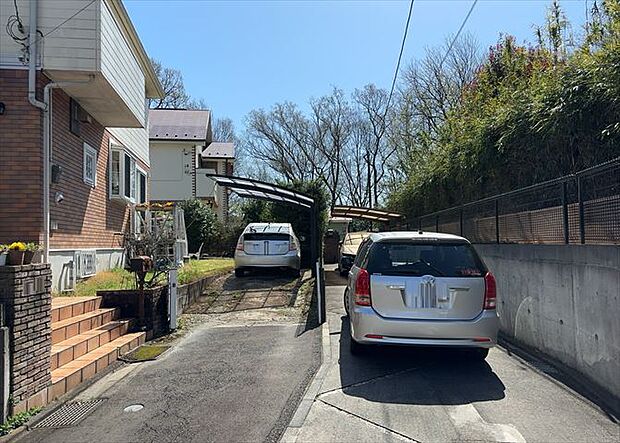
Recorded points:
(90, 165)
(115, 173)
(141, 184)
(211, 165)
(74, 123)
(130, 178)
(124, 179)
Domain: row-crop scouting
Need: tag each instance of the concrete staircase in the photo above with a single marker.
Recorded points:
(85, 339)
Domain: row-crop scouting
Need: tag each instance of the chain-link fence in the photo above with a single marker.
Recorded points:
(579, 208)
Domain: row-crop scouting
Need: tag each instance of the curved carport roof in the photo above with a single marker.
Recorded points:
(251, 188)
(369, 214)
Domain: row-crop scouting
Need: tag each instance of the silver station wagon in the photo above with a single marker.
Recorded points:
(415, 288)
(267, 245)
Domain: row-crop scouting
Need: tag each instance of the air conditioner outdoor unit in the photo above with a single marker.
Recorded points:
(85, 263)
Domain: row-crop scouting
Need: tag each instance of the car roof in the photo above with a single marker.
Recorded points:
(415, 236)
(268, 227)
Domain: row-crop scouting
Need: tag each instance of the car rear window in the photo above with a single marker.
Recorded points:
(265, 236)
(437, 259)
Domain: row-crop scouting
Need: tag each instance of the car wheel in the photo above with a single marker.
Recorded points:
(239, 272)
(295, 272)
(480, 353)
(356, 348)
(346, 302)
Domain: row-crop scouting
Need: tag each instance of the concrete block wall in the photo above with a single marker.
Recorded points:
(25, 292)
(563, 300)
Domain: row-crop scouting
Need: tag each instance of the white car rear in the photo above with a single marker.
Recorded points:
(267, 245)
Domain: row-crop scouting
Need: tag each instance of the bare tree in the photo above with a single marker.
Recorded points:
(172, 83)
(224, 130)
(428, 91)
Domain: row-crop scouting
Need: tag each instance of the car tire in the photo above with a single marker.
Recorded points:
(356, 348)
(343, 272)
(345, 302)
(295, 273)
(480, 353)
(239, 272)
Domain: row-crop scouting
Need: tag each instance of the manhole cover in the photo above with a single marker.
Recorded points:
(133, 408)
(69, 414)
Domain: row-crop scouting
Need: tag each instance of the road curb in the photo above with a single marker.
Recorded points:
(292, 430)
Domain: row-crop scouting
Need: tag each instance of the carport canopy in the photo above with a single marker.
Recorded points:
(370, 214)
(250, 188)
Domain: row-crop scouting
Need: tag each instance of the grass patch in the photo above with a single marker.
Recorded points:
(106, 280)
(145, 353)
(197, 269)
(121, 279)
(17, 420)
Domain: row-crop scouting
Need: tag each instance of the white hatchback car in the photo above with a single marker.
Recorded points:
(267, 245)
(414, 288)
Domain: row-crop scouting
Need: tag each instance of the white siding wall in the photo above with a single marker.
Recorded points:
(171, 171)
(135, 140)
(119, 65)
(89, 42)
(73, 45)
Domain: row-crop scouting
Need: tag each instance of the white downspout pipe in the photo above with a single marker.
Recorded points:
(47, 144)
(32, 98)
(45, 107)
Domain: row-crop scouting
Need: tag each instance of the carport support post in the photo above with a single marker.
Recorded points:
(316, 263)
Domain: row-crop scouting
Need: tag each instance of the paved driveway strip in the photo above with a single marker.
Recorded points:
(237, 377)
(402, 394)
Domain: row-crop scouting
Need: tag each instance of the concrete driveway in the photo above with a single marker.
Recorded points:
(238, 377)
(404, 394)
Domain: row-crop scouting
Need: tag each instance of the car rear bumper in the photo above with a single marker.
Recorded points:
(290, 260)
(480, 332)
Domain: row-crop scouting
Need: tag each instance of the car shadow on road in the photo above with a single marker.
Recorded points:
(416, 375)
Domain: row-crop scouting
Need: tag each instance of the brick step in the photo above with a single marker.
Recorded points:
(76, 346)
(66, 307)
(68, 376)
(70, 327)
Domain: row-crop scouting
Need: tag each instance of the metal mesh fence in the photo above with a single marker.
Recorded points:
(580, 208)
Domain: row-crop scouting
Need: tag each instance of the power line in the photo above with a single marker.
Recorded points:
(64, 21)
(400, 56)
(473, 5)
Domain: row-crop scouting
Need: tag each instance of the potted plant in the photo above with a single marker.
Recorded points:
(4, 252)
(32, 253)
(16, 253)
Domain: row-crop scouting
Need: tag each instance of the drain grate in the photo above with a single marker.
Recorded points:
(69, 414)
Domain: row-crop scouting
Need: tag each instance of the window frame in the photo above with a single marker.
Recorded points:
(134, 171)
(89, 151)
(141, 172)
(75, 125)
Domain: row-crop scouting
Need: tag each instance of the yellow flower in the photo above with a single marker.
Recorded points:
(17, 246)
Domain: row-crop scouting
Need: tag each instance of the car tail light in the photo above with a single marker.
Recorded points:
(362, 288)
(490, 292)
(292, 246)
(240, 245)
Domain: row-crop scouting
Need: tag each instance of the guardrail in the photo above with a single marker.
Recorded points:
(577, 208)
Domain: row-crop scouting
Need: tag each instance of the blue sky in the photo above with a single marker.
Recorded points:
(242, 55)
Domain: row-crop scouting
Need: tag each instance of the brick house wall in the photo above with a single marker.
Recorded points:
(86, 218)
(21, 142)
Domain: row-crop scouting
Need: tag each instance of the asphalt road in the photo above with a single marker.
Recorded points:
(406, 394)
(220, 384)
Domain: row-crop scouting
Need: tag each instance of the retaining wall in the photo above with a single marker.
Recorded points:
(563, 300)
(150, 307)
